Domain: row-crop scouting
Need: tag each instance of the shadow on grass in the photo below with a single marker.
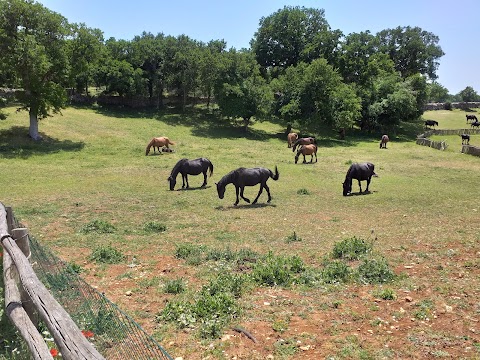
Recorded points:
(210, 124)
(16, 143)
(245, 206)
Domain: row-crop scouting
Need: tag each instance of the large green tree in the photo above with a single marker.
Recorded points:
(413, 50)
(33, 47)
(436, 92)
(469, 94)
(292, 35)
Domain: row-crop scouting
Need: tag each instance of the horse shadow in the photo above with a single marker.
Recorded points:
(245, 206)
(362, 193)
(194, 188)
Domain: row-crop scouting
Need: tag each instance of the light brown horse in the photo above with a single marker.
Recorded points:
(383, 142)
(310, 149)
(291, 138)
(158, 142)
(304, 141)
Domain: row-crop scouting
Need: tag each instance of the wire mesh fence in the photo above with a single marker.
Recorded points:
(114, 333)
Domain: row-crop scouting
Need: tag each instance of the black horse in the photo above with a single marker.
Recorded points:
(190, 167)
(475, 124)
(471, 117)
(242, 177)
(362, 171)
(431, 123)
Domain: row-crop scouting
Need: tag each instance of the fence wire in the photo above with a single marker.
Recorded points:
(115, 335)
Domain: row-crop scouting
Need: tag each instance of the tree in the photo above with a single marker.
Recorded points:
(85, 51)
(314, 94)
(211, 57)
(468, 94)
(291, 35)
(436, 92)
(32, 45)
(413, 50)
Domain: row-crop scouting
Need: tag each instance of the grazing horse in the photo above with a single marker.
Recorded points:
(361, 172)
(304, 141)
(471, 117)
(310, 149)
(431, 123)
(291, 138)
(158, 142)
(465, 139)
(190, 167)
(383, 142)
(475, 124)
(242, 177)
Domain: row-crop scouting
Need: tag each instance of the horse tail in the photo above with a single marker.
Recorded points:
(373, 174)
(276, 175)
(210, 167)
(170, 142)
(147, 150)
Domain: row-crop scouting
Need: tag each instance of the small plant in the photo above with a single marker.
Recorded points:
(277, 270)
(386, 294)
(375, 271)
(73, 268)
(107, 255)
(216, 255)
(285, 348)
(230, 283)
(350, 249)
(336, 272)
(280, 325)
(175, 286)
(98, 226)
(292, 238)
(184, 251)
(303, 192)
(424, 310)
(154, 227)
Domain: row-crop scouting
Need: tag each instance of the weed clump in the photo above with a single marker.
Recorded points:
(107, 255)
(375, 270)
(98, 226)
(154, 227)
(351, 249)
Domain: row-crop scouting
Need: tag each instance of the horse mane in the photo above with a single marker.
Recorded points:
(229, 178)
(176, 168)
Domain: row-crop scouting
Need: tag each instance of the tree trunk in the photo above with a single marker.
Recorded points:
(33, 131)
(246, 121)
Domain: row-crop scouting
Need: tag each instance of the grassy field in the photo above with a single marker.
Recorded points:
(421, 215)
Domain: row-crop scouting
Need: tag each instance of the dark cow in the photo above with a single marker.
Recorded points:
(431, 123)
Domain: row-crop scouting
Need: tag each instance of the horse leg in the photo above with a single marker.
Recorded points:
(360, 186)
(304, 160)
(243, 197)
(186, 180)
(316, 159)
(183, 181)
(204, 179)
(368, 184)
(258, 195)
(236, 192)
(268, 192)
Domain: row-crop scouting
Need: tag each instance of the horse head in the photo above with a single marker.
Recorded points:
(220, 190)
(347, 187)
(172, 181)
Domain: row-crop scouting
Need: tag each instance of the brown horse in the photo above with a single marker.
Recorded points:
(383, 142)
(310, 149)
(158, 143)
(291, 138)
(304, 141)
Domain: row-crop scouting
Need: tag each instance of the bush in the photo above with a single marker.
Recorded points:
(154, 227)
(107, 255)
(350, 249)
(277, 270)
(375, 271)
(98, 226)
(447, 105)
(175, 286)
(336, 272)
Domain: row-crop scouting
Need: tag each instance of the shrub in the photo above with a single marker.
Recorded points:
(154, 227)
(303, 192)
(336, 272)
(386, 294)
(226, 282)
(107, 255)
(293, 238)
(184, 251)
(175, 286)
(98, 226)
(350, 249)
(277, 270)
(375, 271)
(447, 105)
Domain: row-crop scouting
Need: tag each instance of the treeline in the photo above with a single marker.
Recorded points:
(297, 70)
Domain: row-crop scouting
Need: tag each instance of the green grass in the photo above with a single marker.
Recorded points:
(91, 169)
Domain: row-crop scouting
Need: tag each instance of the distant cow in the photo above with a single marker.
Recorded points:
(471, 117)
(431, 123)
(465, 139)
(475, 124)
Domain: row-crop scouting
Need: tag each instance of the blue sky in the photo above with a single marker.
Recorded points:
(457, 24)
